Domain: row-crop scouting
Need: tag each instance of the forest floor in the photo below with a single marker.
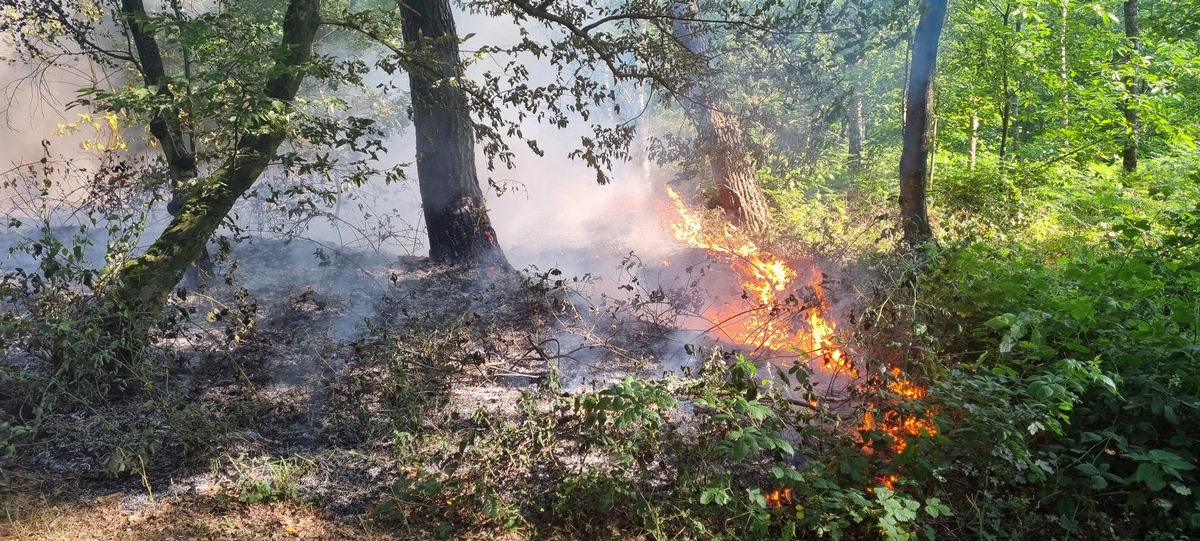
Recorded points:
(290, 405)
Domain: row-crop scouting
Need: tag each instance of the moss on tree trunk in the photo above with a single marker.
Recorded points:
(144, 282)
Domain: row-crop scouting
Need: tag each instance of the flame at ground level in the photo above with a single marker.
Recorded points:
(900, 427)
(764, 279)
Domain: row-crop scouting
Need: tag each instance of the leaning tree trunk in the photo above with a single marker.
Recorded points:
(455, 215)
(721, 138)
(166, 128)
(1129, 154)
(914, 158)
(144, 282)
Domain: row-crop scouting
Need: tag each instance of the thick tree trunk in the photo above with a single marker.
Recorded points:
(721, 138)
(455, 215)
(1129, 155)
(914, 157)
(144, 282)
(737, 187)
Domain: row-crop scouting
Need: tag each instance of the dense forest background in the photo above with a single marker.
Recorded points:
(667, 269)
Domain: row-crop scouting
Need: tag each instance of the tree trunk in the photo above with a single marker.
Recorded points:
(933, 149)
(973, 141)
(144, 282)
(1006, 91)
(1064, 74)
(856, 127)
(904, 88)
(1129, 155)
(914, 173)
(1016, 129)
(721, 138)
(455, 215)
(181, 161)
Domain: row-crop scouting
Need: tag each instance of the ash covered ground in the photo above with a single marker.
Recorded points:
(319, 365)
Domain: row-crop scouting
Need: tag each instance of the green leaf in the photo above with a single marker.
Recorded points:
(1001, 321)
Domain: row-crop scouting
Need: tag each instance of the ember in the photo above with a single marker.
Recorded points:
(779, 497)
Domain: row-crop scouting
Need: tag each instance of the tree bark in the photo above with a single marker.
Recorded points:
(973, 141)
(455, 215)
(720, 134)
(1129, 155)
(1006, 93)
(914, 157)
(1064, 73)
(168, 130)
(933, 149)
(856, 127)
(144, 282)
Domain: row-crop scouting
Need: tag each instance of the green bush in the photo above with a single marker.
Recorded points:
(1088, 390)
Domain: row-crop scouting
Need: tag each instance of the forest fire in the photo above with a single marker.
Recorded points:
(899, 428)
(764, 279)
(779, 497)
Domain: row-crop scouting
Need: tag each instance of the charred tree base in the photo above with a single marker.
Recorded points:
(462, 234)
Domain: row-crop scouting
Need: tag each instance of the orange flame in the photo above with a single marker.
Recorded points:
(779, 497)
(763, 277)
(900, 428)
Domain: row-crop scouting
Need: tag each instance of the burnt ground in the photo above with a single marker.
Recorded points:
(279, 381)
(295, 390)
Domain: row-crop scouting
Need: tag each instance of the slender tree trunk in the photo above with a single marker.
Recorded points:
(856, 128)
(1006, 93)
(914, 158)
(973, 141)
(904, 88)
(1064, 74)
(1005, 122)
(1016, 128)
(643, 126)
(1129, 155)
(721, 137)
(144, 282)
(455, 214)
(933, 148)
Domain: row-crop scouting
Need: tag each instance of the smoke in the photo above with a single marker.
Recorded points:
(551, 210)
(548, 210)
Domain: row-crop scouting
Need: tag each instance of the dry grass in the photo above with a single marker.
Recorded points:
(191, 517)
(217, 518)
